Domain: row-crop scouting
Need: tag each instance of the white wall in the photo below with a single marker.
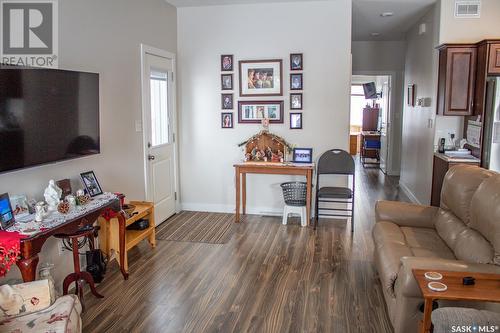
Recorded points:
(453, 30)
(104, 37)
(382, 58)
(321, 30)
(421, 69)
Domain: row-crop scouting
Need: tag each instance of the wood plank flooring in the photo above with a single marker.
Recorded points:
(267, 278)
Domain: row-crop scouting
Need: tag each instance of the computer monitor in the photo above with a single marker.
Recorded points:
(6, 215)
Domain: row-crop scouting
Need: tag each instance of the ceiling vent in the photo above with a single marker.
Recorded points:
(467, 9)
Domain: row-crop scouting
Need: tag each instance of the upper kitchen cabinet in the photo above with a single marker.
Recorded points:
(456, 82)
(494, 58)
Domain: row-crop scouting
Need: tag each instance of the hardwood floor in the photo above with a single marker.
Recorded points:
(267, 278)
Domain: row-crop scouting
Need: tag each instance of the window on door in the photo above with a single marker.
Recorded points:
(159, 108)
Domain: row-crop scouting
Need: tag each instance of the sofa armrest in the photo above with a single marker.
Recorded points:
(405, 214)
(407, 285)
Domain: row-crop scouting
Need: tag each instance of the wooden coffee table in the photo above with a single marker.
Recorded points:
(486, 289)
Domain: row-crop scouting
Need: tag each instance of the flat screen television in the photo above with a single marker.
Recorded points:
(47, 115)
(370, 90)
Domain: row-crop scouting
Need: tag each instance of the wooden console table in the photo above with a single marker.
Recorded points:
(31, 246)
(270, 168)
(111, 233)
(485, 289)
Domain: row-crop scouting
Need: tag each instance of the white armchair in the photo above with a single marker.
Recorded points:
(27, 307)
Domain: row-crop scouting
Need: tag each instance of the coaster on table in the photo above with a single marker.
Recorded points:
(437, 286)
(433, 276)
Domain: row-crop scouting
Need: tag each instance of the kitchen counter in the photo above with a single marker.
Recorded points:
(458, 159)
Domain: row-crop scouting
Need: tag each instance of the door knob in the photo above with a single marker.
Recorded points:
(151, 157)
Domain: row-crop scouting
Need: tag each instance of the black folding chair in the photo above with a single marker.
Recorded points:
(335, 162)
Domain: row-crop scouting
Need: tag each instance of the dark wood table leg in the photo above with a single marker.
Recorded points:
(28, 267)
(308, 196)
(121, 229)
(244, 192)
(237, 174)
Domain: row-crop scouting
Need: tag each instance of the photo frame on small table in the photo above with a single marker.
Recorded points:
(91, 183)
(302, 155)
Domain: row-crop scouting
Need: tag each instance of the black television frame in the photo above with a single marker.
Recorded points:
(9, 67)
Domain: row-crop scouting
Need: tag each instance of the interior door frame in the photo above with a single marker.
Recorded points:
(145, 50)
(391, 140)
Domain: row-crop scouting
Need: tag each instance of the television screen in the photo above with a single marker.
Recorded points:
(370, 90)
(47, 115)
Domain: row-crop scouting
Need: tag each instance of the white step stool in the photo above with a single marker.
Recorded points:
(299, 210)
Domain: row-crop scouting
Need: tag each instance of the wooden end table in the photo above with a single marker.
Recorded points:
(485, 289)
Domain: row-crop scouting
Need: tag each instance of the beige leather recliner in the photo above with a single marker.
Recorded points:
(461, 235)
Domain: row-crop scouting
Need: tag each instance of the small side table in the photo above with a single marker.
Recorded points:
(115, 238)
(486, 289)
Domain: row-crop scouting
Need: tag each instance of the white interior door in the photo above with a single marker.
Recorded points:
(385, 123)
(159, 123)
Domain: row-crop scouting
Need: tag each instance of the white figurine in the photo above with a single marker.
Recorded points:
(52, 195)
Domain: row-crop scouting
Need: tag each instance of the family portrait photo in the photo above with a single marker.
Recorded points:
(260, 77)
(227, 81)
(226, 62)
(227, 101)
(296, 62)
(227, 120)
(295, 120)
(302, 155)
(254, 112)
(91, 184)
(296, 82)
(296, 101)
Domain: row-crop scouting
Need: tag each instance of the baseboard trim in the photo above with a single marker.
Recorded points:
(409, 193)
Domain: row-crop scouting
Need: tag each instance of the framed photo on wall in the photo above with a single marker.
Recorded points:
(227, 101)
(295, 120)
(253, 112)
(296, 101)
(296, 62)
(226, 63)
(226, 81)
(261, 77)
(91, 184)
(227, 120)
(296, 81)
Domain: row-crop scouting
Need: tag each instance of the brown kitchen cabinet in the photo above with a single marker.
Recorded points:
(456, 81)
(494, 55)
(441, 165)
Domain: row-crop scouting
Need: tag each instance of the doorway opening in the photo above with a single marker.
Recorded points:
(370, 119)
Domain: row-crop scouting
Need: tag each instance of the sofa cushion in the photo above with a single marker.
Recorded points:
(459, 237)
(393, 242)
(24, 298)
(485, 213)
(459, 185)
(425, 242)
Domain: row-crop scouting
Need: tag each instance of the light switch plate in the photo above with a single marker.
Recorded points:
(138, 126)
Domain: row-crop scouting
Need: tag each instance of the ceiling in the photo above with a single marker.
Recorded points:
(366, 18)
(196, 3)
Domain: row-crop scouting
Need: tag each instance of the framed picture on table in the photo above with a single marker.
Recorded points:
(261, 77)
(302, 155)
(91, 184)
